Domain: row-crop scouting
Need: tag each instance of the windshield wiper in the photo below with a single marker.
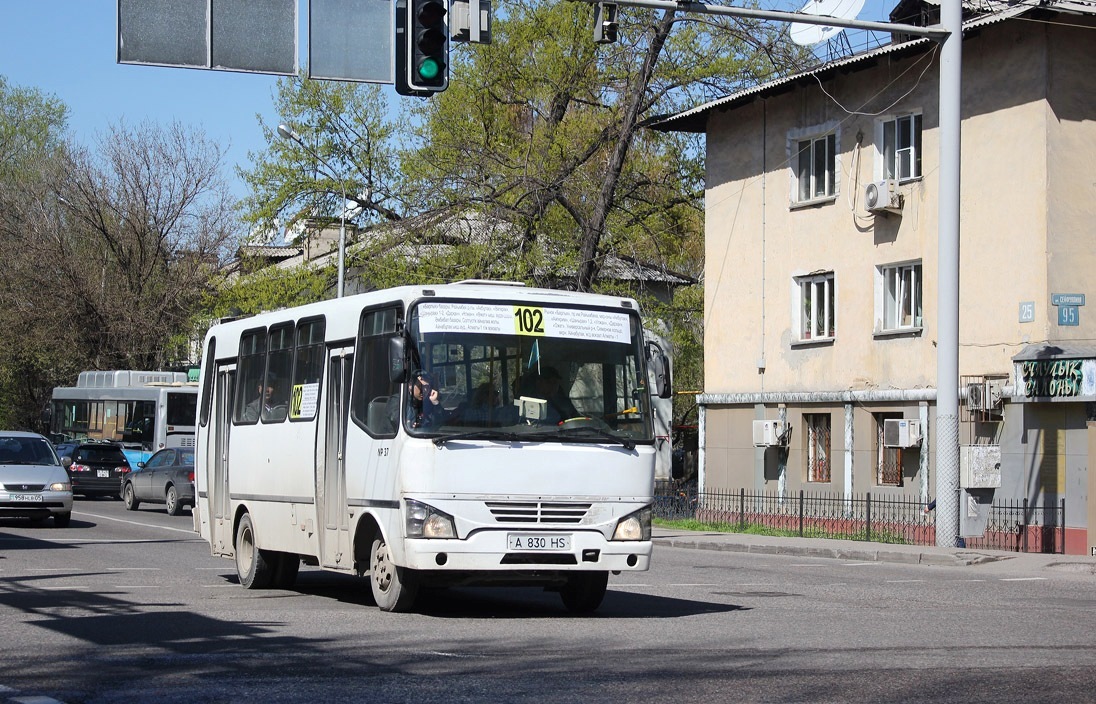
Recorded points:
(628, 443)
(488, 434)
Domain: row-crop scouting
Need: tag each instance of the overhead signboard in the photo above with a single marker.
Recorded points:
(258, 36)
(351, 40)
(348, 40)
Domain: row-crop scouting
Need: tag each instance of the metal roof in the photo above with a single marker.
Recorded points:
(695, 119)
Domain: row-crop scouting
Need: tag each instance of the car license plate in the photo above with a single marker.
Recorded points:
(538, 542)
(27, 497)
(102, 473)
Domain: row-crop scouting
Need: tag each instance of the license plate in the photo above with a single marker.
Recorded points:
(102, 473)
(538, 542)
(27, 497)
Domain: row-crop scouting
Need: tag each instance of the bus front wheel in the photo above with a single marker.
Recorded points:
(584, 591)
(394, 588)
(252, 564)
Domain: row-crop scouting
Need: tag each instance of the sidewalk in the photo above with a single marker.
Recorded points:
(859, 550)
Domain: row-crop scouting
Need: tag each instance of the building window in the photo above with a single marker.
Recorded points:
(818, 446)
(888, 460)
(818, 312)
(815, 168)
(901, 140)
(901, 296)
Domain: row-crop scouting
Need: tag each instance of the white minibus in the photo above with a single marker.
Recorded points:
(467, 433)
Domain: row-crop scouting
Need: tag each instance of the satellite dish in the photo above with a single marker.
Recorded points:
(810, 34)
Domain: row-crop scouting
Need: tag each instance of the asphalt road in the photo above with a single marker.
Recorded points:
(130, 607)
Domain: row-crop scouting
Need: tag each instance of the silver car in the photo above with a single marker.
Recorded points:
(33, 484)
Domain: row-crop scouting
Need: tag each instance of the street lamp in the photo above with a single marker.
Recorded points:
(287, 133)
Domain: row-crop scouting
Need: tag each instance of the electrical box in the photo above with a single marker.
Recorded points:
(901, 432)
(769, 433)
(979, 466)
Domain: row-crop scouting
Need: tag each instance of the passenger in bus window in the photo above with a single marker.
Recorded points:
(484, 407)
(264, 402)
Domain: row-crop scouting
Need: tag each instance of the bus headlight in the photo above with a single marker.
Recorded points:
(636, 526)
(425, 521)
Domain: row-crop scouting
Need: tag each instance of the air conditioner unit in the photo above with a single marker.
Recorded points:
(976, 396)
(882, 196)
(769, 433)
(984, 395)
(901, 432)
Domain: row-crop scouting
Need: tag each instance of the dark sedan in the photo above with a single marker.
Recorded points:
(166, 478)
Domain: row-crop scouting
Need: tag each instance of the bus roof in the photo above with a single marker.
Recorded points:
(342, 314)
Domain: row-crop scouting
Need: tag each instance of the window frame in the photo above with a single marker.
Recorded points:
(817, 447)
(887, 455)
(804, 290)
(899, 147)
(808, 141)
(894, 281)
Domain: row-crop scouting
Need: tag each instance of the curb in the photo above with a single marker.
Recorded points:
(867, 554)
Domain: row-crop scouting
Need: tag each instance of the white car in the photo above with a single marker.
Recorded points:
(33, 484)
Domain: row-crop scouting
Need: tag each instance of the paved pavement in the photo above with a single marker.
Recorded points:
(860, 550)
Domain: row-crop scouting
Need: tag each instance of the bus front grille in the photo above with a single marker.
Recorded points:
(538, 511)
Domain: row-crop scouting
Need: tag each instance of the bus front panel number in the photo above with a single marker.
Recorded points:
(529, 321)
(538, 542)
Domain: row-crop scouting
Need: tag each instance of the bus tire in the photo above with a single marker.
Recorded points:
(131, 501)
(394, 588)
(584, 591)
(286, 567)
(252, 564)
(171, 499)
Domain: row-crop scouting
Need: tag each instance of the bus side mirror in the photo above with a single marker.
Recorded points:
(397, 353)
(658, 366)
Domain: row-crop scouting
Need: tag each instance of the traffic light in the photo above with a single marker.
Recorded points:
(605, 22)
(422, 47)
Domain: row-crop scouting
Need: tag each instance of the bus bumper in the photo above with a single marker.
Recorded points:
(522, 551)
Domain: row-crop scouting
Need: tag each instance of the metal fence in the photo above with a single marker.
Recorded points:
(1017, 525)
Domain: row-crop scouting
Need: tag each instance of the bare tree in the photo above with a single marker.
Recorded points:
(109, 253)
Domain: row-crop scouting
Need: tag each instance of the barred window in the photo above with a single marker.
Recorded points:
(817, 446)
(888, 470)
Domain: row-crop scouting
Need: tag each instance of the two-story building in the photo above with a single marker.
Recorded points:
(821, 258)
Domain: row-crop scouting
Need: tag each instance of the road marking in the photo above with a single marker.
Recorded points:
(70, 586)
(812, 564)
(694, 585)
(905, 581)
(859, 563)
(136, 523)
(133, 569)
(1023, 579)
(136, 586)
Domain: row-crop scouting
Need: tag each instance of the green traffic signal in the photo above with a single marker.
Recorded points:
(429, 69)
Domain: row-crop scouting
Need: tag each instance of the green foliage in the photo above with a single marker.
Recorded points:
(270, 289)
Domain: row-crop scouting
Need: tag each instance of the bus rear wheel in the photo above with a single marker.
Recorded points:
(253, 565)
(394, 588)
(584, 591)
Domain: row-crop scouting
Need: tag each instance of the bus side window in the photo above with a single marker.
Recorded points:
(252, 368)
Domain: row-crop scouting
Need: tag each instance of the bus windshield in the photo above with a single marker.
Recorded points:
(523, 372)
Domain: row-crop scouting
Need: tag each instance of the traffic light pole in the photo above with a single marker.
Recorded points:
(950, 35)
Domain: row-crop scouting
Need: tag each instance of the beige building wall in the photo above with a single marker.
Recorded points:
(1027, 232)
(756, 241)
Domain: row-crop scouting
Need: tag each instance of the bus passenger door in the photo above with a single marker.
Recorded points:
(331, 492)
(220, 505)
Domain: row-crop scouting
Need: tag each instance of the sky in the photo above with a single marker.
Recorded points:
(67, 48)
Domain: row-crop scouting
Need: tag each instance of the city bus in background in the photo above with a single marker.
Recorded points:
(313, 445)
(144, 411)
